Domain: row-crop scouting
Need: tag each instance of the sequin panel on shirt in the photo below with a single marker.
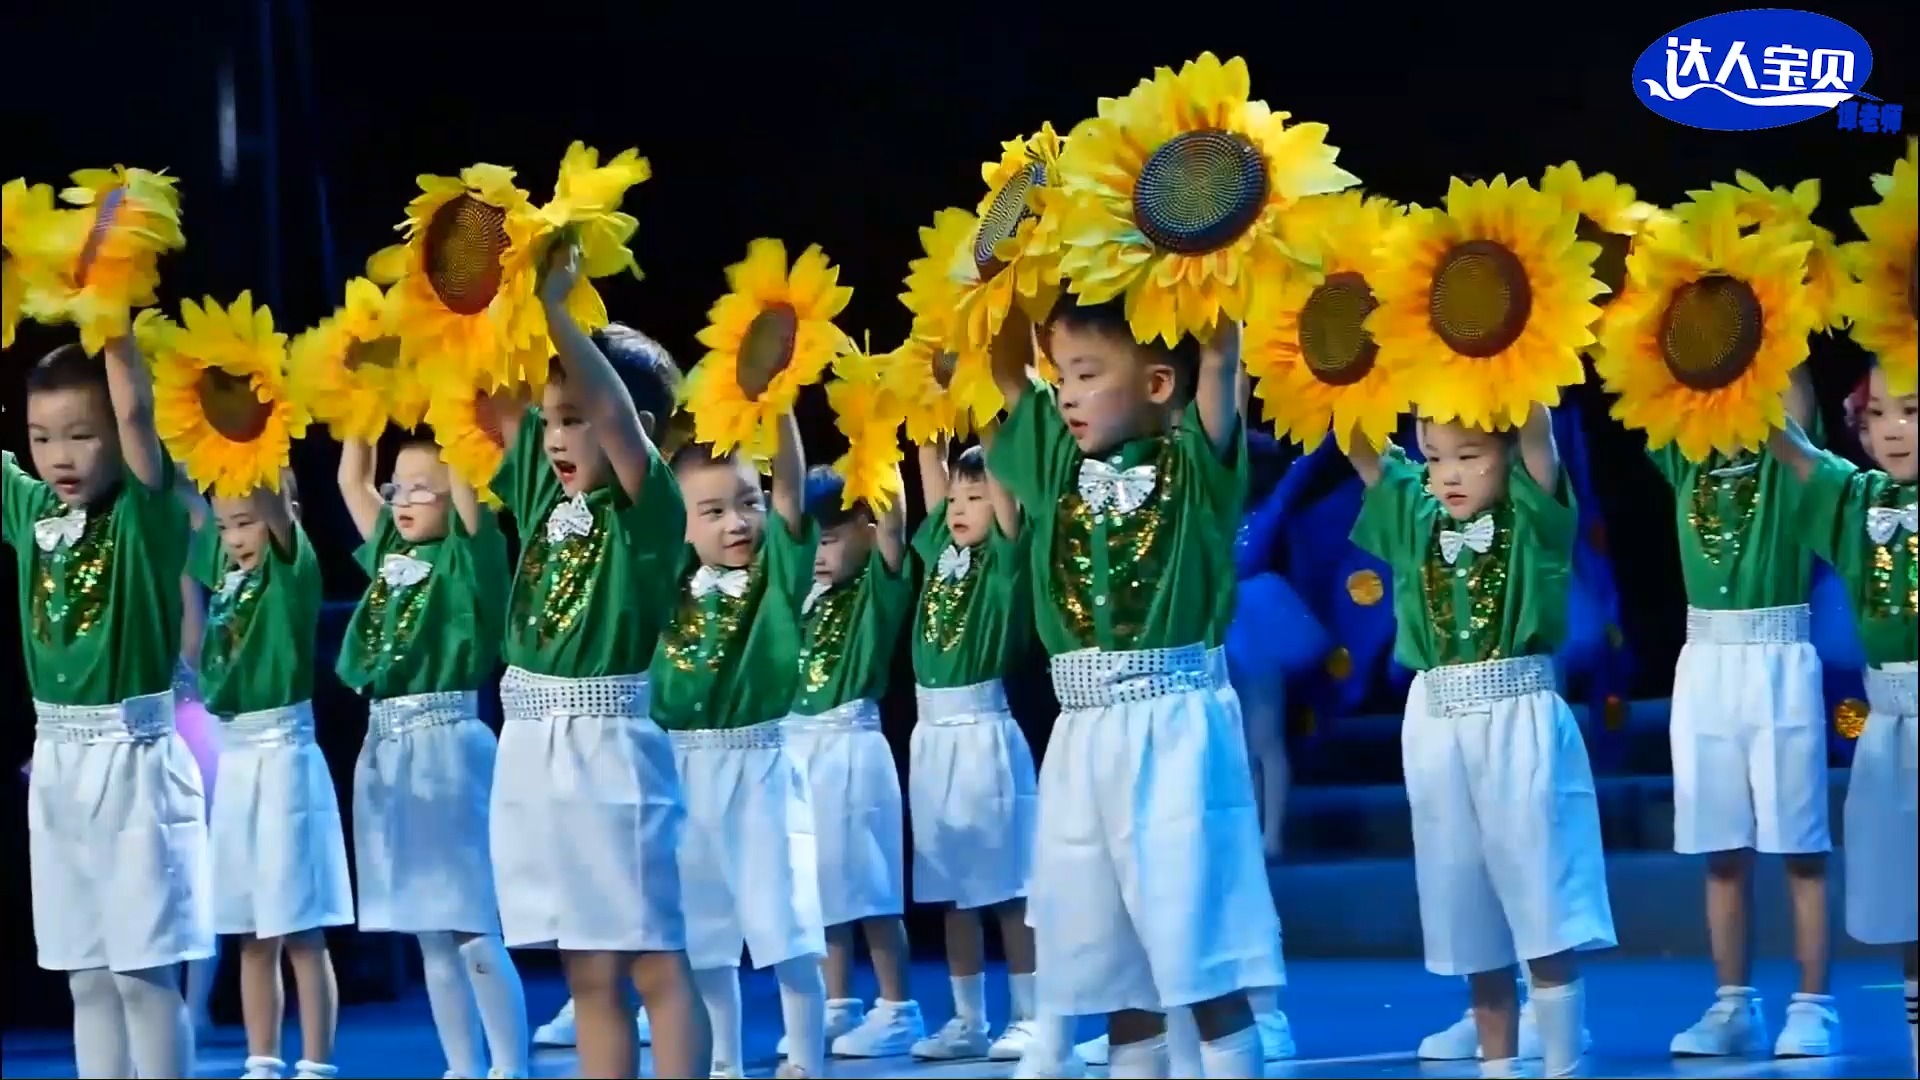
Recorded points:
(1722, 507)
(392, 622)
(559, 580)
(826, 629)
(943, 606)
(1893, 589)
(230, 615)
(703, 630)
(70, 584)
(1134, 556)
(1466, 601)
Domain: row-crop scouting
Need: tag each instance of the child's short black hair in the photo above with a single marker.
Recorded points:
(825, 489)
(644, 365)
(1110, 319)
(698, 455)
(67, 368)
(971, 464)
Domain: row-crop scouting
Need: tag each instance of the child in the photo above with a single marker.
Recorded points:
(423, 641)
(586, 814)
(1749, 736)
(851, 620)
(279, 853)
(970, 777)
(1149, 891)
(724, 675)
(1506, 829)
(1864, 524)
(198, 728)
(116, 818)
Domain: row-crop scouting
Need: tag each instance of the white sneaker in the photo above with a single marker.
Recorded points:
(1734, 1026)
(1093, 1051)
(789, 1071)
(260, 1067)
(957, 1040)
(890, 1029)
(843, 1015)
(1276, 1036)
(558, 1031)
(314, 1070)
(1461, 1041)
(1032, 1068)
(1811, 1029)
(1013, 1042)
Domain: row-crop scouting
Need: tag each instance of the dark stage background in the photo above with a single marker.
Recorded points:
(845, 132)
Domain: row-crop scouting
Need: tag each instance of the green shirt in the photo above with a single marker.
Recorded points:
(976, 611)
(848, 637)
(258, 648)
(592, 586)
(1836, 505)
(100, 612)
(1154, 575)
(448, 588)
(1509, 600)
(1740, 545)
(731, 658)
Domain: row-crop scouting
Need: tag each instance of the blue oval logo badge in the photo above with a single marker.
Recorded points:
(1753, 69)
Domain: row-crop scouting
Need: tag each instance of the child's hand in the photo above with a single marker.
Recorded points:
(1221, 343)
(560, 271)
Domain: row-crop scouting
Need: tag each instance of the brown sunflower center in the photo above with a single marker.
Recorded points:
(1333, 335)
(104, 217)
(766, 349)
(486, 417)
(1710, 332)
(1610, 266)
(1004, 215)
(944, 363)
(231, 407)
(378, 353)
(1481, 299)
(1200, 191)
(465, 240)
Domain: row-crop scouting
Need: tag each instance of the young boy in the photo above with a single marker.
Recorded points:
(423, 642)
(586, 813)
(1149, 891)
(852, 618)
(970, 778)
(1749, 736)
(724, 675)
(1865, 524)
(1506, 829)
(279, 853)
(116, 818)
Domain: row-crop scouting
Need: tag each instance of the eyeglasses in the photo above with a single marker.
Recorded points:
(412, 495)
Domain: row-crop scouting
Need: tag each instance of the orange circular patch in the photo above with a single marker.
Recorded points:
(1850, 718)
(1340, 662)
(1365, 588)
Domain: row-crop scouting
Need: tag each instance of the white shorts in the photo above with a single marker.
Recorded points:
(971, 785)
(117, 839)
(858, 820)
(1882, 814)
(1149, 888)
(748, 869)
(1749, 735)
(279, 853)
(586, 818)
(1506, 828)
(420, 794)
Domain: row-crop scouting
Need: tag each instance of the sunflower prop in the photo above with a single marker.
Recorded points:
(1311, 358)
(770, 335)
(1758, 206)
(1173, 195)
(1006, 255)
(94, 265)
(586, 207)
(870, 418)
(20, 204)
(1611, 218)
(1485, 306)
(467, 428)
(1711, 327)
(220, 401)
(1886, 301)
(463, 282)
(349, 373)
(939, 393)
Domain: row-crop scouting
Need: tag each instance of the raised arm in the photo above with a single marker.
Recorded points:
(1538, 450)
(892, 537)
(190, 497)
(1365, 458)
(933, 472)
(1217, 392)
(1011, 356)
(1006, 508)
(1799, 399)
(277, 510)
(357, 489)
(130, 387)
(466, 503)
(790, 476)
(615, 418)
(1790, 444)
(193, 620)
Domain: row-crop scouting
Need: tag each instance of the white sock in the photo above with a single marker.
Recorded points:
(970, 999)
(720, 992)
(502, 1001)
(1264, 1001)
(450, 999)
(1560, 1014)
(1143, 1060)
(1238, 1054)
(314, 1070)
(803, 1008)
(1500, 1067)
(159, 1035)
(1052, 1039)
(100, 1026)
(1183, 1044)
(1020, 997)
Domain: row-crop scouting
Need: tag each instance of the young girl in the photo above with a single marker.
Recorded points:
(851, 620)
(423, 642)
(970, 777)
(1865, 524)
(1506, 829)
(279, 854)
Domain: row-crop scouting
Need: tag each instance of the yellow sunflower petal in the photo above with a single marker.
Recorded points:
(1005, 253)
(586, 200)
(932, 294)
(1483, 307)
(99, 263)
(1758, 206)
(870, 418)
(1882, 303)
(1713, 322)
(350, 373)
(1611, 218)
(220, 399)
(463, 424)
(23, 208)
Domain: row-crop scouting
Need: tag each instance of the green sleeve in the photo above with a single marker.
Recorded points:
(206, 559)
(1832, 504)
(1222, 473)
(892, 593)
(1671, 463)
(656, 519)
(1552, 517)
(524, 481)
(483, 562)
(1009, 552)
(932, 538)
(27, 501)
(386, 537)
(164, 519)
(1029, 446)
(789, 561)
(1390, 525)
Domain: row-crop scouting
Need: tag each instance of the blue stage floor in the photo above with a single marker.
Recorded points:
(1351, 1019)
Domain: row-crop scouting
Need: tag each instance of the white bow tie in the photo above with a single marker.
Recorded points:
(731, 582)
(1478, 536)
(954, 563)
(62, 531)
(1123, 491)
(1883, 522)
(232, 582)
(570, 518)
(820, 589)
(401, 571)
